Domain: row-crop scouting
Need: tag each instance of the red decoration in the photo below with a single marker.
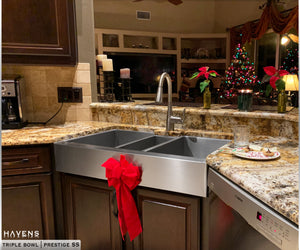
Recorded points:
(124, 177)
(275, 74)
(271, 18)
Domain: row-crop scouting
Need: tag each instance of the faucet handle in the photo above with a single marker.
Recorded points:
(183, 115)
(177, 119)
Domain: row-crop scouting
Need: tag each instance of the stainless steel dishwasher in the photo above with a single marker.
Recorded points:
(235, 220)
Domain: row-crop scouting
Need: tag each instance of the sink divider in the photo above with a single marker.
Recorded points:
(161, 144)
(132, 142)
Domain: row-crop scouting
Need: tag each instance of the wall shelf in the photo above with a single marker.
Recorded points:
(192, 50)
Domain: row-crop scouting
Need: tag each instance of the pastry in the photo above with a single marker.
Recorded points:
(268, 153)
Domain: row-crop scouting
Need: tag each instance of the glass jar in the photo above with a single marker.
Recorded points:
(206, 98)
(282, 99)
(245, 99)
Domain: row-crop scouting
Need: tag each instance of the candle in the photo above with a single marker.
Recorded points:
(100, 58)
(125, 73)
(107, 65)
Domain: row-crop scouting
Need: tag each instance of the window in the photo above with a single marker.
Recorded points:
(269, 51)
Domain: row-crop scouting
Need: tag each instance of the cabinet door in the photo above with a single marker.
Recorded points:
(27, 205)
(89, 213)
(169, 221)
(38, 32)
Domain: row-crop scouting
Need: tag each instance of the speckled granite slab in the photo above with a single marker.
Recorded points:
(274, 182)
(52, 133)
(217, 119)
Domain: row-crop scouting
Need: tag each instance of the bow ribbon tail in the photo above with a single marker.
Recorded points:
(131, 216)
(121, 216)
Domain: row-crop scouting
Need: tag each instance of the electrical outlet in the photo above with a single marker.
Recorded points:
(69, 94)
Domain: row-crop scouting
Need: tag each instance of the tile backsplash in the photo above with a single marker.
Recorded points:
(40, 95)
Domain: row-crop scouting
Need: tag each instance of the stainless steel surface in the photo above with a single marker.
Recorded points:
(147, 143)
(224, 229)
(8, 88)
(171, 120)
(183, 173)
(195, 147)
(13, 89)
(275, 228)
(112, 138)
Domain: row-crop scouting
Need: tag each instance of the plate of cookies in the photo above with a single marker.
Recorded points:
(254, 152)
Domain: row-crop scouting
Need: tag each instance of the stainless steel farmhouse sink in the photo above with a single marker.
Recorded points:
(169, 163)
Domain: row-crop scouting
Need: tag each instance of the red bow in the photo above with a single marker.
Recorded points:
(124, 177)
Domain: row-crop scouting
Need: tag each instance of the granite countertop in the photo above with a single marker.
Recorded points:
(269, 112)
(274, 182)
(52, 133)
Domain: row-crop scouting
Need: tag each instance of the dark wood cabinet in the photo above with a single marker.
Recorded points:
(89, 211)
(169, 221)
(27, 203)
(39, 32)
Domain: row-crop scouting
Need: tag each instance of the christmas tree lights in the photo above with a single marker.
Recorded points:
(239, 75)
(290, 62)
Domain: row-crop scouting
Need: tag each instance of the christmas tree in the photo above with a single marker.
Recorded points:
(240, 74)
(290, 62)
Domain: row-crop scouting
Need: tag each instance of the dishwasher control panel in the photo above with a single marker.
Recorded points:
(266, 221)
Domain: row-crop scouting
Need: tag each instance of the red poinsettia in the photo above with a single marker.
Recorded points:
(203, 71)
(275, 75)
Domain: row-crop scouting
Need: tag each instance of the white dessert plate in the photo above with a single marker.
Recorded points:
(256, 153)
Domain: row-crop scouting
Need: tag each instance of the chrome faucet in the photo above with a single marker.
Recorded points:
(171, 120)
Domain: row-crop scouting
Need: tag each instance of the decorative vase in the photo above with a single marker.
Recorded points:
(206, 98)
(245, 99)
(282, 99)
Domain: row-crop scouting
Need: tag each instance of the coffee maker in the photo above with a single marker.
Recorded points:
(12, 102)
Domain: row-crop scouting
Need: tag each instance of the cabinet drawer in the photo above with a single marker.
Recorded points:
(26, 160)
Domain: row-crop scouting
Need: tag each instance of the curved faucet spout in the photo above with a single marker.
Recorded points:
(159, 97)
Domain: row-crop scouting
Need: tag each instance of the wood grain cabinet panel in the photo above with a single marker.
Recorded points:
(39, 32)
(27, 205)
(26, 160)
(169, 221)
(89, 213)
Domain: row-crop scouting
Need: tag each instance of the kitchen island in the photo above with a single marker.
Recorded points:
(274, 182)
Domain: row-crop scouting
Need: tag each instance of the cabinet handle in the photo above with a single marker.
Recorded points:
(10, 163)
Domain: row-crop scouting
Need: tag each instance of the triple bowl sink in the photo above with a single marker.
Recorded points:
(175, 164)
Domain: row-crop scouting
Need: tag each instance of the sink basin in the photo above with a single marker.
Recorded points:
(112, 138)
(175, 164)
(195, 147)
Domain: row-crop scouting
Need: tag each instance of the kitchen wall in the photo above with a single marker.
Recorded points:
(192, 16)
(188, 17)
(41, 84)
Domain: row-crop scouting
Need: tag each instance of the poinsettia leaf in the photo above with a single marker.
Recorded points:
(273, 81)
(280, 84)
(213, 74)
(270, 70)
(203, 85)
(204, 69)
(268, 90)
(194, 75)
(266, 78)
(282, 72)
